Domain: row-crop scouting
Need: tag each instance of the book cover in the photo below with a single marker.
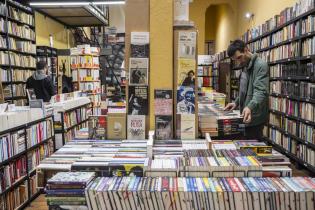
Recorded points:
(187, 44)
(140, 44)
(185, 100)
(163, 102)
(136, 127)
(97, 127)
(116, 126)
(186, 126)
(163, 127)
(138, 71)
(138, 100)
(186, 72)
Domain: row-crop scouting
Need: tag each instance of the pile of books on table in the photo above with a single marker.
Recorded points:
(68, 189)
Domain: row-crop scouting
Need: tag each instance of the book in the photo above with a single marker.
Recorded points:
(116, 126)
(97, 126)
(185, 100)
(163, 127)
(187, 41)
(138, 100)
(163, 102)
(138, 71)
(139, 45)
(186, 128)
(136, 127)
(186, 72)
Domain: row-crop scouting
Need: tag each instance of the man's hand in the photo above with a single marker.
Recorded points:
(230, 107)
(247, 115)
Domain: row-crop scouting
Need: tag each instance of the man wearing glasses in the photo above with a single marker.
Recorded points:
(253, 91)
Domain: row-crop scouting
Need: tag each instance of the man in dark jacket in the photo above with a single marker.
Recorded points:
(41, 83)
(254, 89)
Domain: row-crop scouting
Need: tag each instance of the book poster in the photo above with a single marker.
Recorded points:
(185, 100)
(136, 127)
(163, 102)
(138, 71)
(97, 127)
(140, 45)
(138, 100)
(163, 127)
(187, 44)
(186, 72)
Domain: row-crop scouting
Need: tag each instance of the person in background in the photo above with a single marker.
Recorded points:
(253, 90)
(67, 86)
(41, 83)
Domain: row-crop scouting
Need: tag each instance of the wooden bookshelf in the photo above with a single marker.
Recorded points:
(16, 14)
(25, 179)
(299, 60)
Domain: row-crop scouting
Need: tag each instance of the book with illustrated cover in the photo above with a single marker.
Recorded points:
(136, 127)
(116, 126)
(163, 127)
(185, 100)
(138, 71)
(138, 100)
(163, 102)
(97, 127)
(186, 72)
(186, 128)
(187, 44)
(75, 178)
(140, 45)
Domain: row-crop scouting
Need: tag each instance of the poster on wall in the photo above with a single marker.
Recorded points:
(185, 100)
(138, 71)
(187, 44)
(186, 72)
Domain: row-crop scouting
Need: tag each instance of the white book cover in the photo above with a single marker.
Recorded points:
(140, 38)
(136, 127)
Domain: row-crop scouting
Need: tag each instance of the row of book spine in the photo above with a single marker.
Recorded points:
(38, 154)
(18, 90)
(301, 151)
(200, 193)
(17, 59)
(39, 132)
(75, 117)
(286, 15)
(21, 16)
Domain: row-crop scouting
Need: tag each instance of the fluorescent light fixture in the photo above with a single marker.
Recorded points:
(82, 3)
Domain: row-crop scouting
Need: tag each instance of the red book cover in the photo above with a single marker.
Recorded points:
(165, 184)
(233, 185)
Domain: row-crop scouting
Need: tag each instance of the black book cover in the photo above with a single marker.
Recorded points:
(163, 127)
(138, 100)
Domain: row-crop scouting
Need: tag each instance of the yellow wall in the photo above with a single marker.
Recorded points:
(197, 13)
(45, 26)
(262, 10)
(161, 49)
(211, 22)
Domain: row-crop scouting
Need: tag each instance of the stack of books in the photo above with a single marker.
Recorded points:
(217, 122)
(68, 188)
(201, 193)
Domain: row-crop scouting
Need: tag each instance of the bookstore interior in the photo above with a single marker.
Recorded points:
(157, 104)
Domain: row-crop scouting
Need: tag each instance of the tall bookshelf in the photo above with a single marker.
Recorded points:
(30, 143)
(49, 55)
(17, 49)
(291, 127)
(208, 77)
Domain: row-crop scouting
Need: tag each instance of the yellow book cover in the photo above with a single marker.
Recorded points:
(88, 61)
(186, 72)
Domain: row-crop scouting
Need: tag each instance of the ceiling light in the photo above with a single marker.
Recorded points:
(249, 15)
(82, 3)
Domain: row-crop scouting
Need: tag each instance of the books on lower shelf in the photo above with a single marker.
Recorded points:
(39, 132)
(15, 198)
(200, 193)
(17, 59)
(284, 51)
(38, 154)
(11, 144)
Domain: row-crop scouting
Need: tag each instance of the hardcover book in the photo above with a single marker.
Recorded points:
(163, 102)
(138, 100)
(185, 100)
(136, 127)
(138, 71)
(163, 127)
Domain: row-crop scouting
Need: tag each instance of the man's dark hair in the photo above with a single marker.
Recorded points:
(40, 65)
(235, 46)
(191, 71)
